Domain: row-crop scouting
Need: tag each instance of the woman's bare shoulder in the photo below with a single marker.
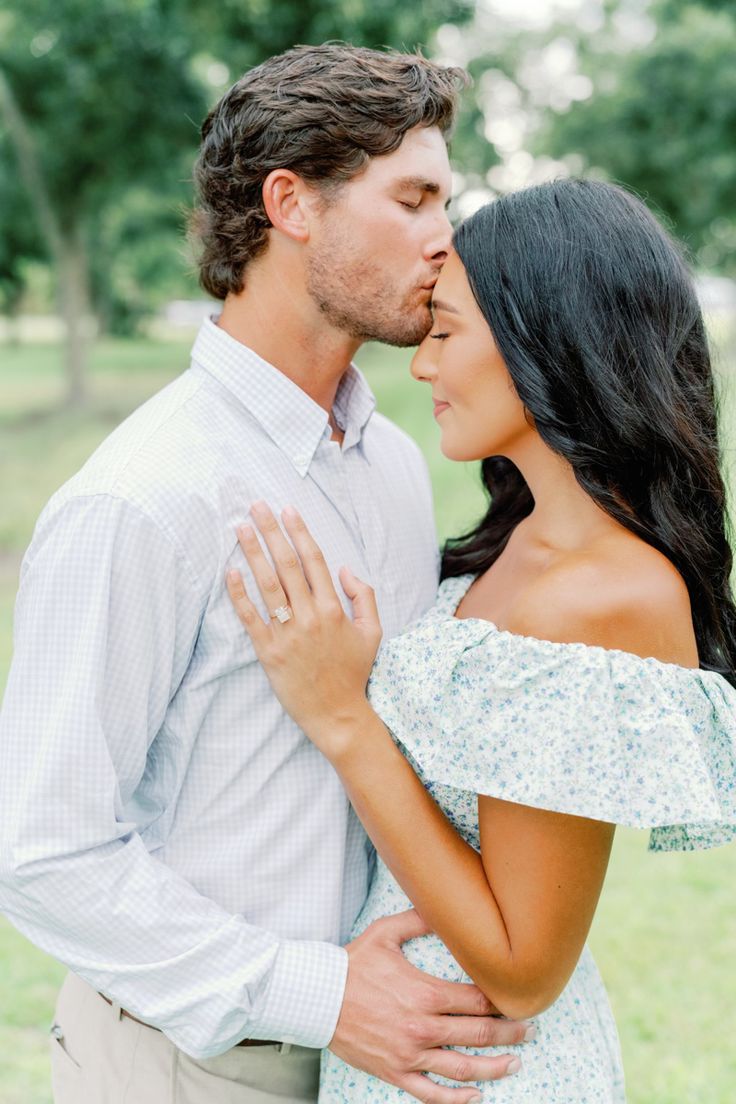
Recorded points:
(620, 594)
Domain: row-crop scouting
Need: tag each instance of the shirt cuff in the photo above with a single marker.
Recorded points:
(305, 994)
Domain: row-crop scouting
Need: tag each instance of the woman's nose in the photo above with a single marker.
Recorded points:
(422, 364)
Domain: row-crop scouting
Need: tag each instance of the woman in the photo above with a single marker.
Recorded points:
(577, 670)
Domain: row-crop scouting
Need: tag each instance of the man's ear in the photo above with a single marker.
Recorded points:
(286, 199)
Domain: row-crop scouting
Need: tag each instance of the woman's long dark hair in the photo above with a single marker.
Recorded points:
(595, 314)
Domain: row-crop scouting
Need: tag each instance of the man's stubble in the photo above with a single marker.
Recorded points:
(359, 299)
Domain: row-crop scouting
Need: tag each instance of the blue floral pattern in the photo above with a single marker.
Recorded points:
(567, 727)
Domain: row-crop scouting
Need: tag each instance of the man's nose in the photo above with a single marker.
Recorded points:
(438, 245)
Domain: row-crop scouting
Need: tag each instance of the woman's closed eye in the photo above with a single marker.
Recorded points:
(439, 336)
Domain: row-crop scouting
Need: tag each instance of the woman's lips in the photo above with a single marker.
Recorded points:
(439, 407)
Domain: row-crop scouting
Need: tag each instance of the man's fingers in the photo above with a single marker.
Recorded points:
(459, 997)
(402, 926)
(456, 1065)
(484, 1031)
(429, 1092)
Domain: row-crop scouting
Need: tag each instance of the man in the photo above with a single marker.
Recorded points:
(168, 833)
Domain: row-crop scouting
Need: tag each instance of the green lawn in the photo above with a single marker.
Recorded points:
(664, 936)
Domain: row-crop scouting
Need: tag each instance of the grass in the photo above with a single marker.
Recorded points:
(664, 935)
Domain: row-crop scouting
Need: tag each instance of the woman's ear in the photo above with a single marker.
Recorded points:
(286, 200)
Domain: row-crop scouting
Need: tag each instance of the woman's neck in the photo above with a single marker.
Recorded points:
(564, 517)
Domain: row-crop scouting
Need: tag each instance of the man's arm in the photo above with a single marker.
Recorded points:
(106, 620)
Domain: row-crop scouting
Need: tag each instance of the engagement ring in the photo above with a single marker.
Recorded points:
(283, 613)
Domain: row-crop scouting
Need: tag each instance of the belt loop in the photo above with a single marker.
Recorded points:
(283, 1048)
(117, 1010)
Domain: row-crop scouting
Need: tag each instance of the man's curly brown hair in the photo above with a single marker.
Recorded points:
(321, 111)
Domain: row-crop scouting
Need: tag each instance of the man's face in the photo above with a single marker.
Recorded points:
(378, 247)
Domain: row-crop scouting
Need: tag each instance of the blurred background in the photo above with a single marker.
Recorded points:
(100, 105)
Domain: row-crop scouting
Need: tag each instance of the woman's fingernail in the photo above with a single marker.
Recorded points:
(476, 1100)
(530, 1033)
(514, 1066)
(258, 507)
(289, 512)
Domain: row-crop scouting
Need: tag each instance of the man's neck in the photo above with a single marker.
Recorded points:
(287, 330)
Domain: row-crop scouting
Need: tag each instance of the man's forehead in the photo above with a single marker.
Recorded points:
(422, 152)
(425, 174)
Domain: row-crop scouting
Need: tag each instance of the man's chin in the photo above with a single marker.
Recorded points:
(403, 332)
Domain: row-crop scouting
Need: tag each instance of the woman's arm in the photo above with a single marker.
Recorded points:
(517, 915)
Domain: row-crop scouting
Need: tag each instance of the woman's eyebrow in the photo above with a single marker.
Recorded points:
(438, 304)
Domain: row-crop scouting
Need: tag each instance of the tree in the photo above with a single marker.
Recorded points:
(19, 239)
(241, 33)
(98, 101)
(662, 120)
(94, 98)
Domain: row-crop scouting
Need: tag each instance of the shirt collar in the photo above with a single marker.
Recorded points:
(293, 421)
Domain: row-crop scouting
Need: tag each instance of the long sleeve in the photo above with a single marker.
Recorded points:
(106, 621)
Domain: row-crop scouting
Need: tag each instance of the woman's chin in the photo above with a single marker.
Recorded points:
(452, 450)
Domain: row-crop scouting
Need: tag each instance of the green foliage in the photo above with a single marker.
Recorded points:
(112, 95)
(20, 239)
(107, 92)
(142, 234)
(663, 121)
(97, 100)
(244, 32)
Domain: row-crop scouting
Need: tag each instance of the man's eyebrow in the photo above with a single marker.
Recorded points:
(423, 184)
(420, 182)
(437, 304)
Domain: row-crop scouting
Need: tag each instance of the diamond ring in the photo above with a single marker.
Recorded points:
(282, 614)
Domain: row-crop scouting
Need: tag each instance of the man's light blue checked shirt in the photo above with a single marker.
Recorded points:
(166, 831)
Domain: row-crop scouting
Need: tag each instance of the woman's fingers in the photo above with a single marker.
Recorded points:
(249, 616)
(363, 597)
(266, 578)
(310, 553)
(285, 559)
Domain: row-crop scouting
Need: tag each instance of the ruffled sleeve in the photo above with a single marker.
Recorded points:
(566, 727)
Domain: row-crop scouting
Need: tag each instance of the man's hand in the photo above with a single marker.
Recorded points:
(396, 1019)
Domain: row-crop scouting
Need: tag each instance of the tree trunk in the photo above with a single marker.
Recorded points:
(66, 249)
(74, 303)
(13, 299)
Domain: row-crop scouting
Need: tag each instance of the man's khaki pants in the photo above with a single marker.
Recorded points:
(101, 1057)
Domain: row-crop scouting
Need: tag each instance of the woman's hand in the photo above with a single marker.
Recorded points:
(318, 660)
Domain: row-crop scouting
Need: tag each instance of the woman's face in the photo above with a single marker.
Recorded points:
(476, 404)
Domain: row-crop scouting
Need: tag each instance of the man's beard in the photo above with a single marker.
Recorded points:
(356, 298)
